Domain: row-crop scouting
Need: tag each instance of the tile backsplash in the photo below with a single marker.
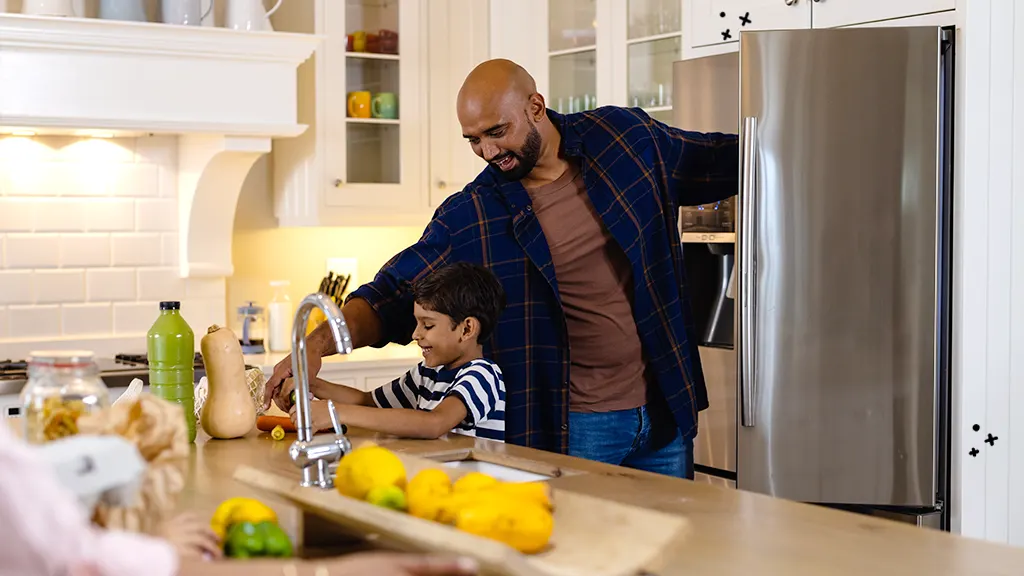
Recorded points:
(88, 244)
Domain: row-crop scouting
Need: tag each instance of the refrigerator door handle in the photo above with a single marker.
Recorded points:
(747, 284)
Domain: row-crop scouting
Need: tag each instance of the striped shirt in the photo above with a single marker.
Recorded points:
(637, 172)
(478, 384)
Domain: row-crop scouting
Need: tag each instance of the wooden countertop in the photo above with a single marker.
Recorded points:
(734, 532)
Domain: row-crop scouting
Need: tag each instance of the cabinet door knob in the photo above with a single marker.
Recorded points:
(338, 182)
(441, 184)
(790, 2)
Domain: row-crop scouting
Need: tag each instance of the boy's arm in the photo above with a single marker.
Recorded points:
(340, 393)
(406, 422)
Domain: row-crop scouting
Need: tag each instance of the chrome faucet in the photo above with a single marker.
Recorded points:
(315, 456)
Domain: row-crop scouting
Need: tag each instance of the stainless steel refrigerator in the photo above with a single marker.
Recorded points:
(843, 258)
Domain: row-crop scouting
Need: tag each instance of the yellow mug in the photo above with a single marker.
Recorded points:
(359, 41)
(359, 104)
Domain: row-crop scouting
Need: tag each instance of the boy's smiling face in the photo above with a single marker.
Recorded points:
(442, 343)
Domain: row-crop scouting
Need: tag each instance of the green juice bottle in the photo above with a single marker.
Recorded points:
(171, 347)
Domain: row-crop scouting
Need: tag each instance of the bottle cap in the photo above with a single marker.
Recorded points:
(170, 305)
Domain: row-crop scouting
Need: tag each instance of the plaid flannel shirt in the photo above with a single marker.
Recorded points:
(637, 172)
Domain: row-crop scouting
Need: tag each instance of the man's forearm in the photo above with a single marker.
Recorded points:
(364, 326)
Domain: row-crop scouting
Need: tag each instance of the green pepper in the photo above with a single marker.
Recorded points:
(292, 398)
(260, 540)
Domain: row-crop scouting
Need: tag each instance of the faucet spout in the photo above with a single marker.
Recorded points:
(314, 456)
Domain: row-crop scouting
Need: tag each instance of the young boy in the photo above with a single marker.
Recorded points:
(454, 388)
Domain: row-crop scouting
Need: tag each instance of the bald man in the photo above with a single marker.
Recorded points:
(576, 215)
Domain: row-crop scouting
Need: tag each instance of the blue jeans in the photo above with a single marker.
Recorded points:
(635, 438)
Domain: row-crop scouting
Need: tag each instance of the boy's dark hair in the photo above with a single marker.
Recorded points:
(461, 290)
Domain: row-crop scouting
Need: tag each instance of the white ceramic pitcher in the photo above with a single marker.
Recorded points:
(66, 8)
(184, 12)
(249, 15)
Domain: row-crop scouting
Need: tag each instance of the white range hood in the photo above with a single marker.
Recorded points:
(225, 93)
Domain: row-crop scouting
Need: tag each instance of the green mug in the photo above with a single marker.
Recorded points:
(384, 105)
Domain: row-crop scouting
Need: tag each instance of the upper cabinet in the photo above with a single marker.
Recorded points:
(364, 97)
(648, 42)
(384, 145)
(713, 22)
(573, 55)
(714, 26)
(459, 40)
(835, 13)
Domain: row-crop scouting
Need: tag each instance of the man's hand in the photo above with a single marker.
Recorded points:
(319, 415)
(364, 327)
(278, 390)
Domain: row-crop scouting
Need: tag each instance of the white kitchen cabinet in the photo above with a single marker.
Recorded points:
(356, 164)
(459, 39)
(835, 13)
(591, 53)
(716, 22)
(647, 38)
(713, 26)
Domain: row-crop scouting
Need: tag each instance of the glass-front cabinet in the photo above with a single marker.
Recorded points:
(653, 43)
(374, 70)
(572, 55)
(613, 52)
(364, 97)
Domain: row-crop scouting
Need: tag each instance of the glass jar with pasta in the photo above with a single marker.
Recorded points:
(62, 385)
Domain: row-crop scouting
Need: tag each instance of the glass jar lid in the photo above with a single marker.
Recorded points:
(61, 358)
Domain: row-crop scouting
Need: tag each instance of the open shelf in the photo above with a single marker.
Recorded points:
(392, 121)
(372, 56)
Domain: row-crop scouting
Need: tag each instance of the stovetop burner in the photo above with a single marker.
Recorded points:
(13, 368)
(143, 360)
(121, 363)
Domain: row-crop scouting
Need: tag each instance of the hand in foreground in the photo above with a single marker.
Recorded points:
(279, 388)
(319, 413)
(190, 537)
(397, 564)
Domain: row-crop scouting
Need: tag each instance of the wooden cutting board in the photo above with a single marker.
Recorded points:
(592, 536)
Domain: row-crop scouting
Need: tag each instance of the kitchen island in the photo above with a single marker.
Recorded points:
(732, 532)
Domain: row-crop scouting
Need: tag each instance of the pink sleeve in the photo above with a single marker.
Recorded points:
(46, 532)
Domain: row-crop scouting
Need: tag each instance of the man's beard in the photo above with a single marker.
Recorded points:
(527, 157)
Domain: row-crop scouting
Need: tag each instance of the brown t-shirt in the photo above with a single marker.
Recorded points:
(595, 283)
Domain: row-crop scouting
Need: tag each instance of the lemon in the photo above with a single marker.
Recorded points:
(366, 468)
(387, 497)
(426, 492)
(474, 481)
(525, 526)
(236, 510)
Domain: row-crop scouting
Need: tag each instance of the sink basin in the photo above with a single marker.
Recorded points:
(503, 473)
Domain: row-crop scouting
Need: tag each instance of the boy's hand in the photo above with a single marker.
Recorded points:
(319, 414)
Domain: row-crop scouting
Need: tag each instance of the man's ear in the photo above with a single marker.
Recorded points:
(537, 108)
(470, 329)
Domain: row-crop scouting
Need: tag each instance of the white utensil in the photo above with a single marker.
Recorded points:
(132, 393)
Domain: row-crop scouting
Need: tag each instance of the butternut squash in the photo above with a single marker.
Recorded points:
(229, 410)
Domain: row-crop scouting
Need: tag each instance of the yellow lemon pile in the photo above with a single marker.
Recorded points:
(517, 514)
